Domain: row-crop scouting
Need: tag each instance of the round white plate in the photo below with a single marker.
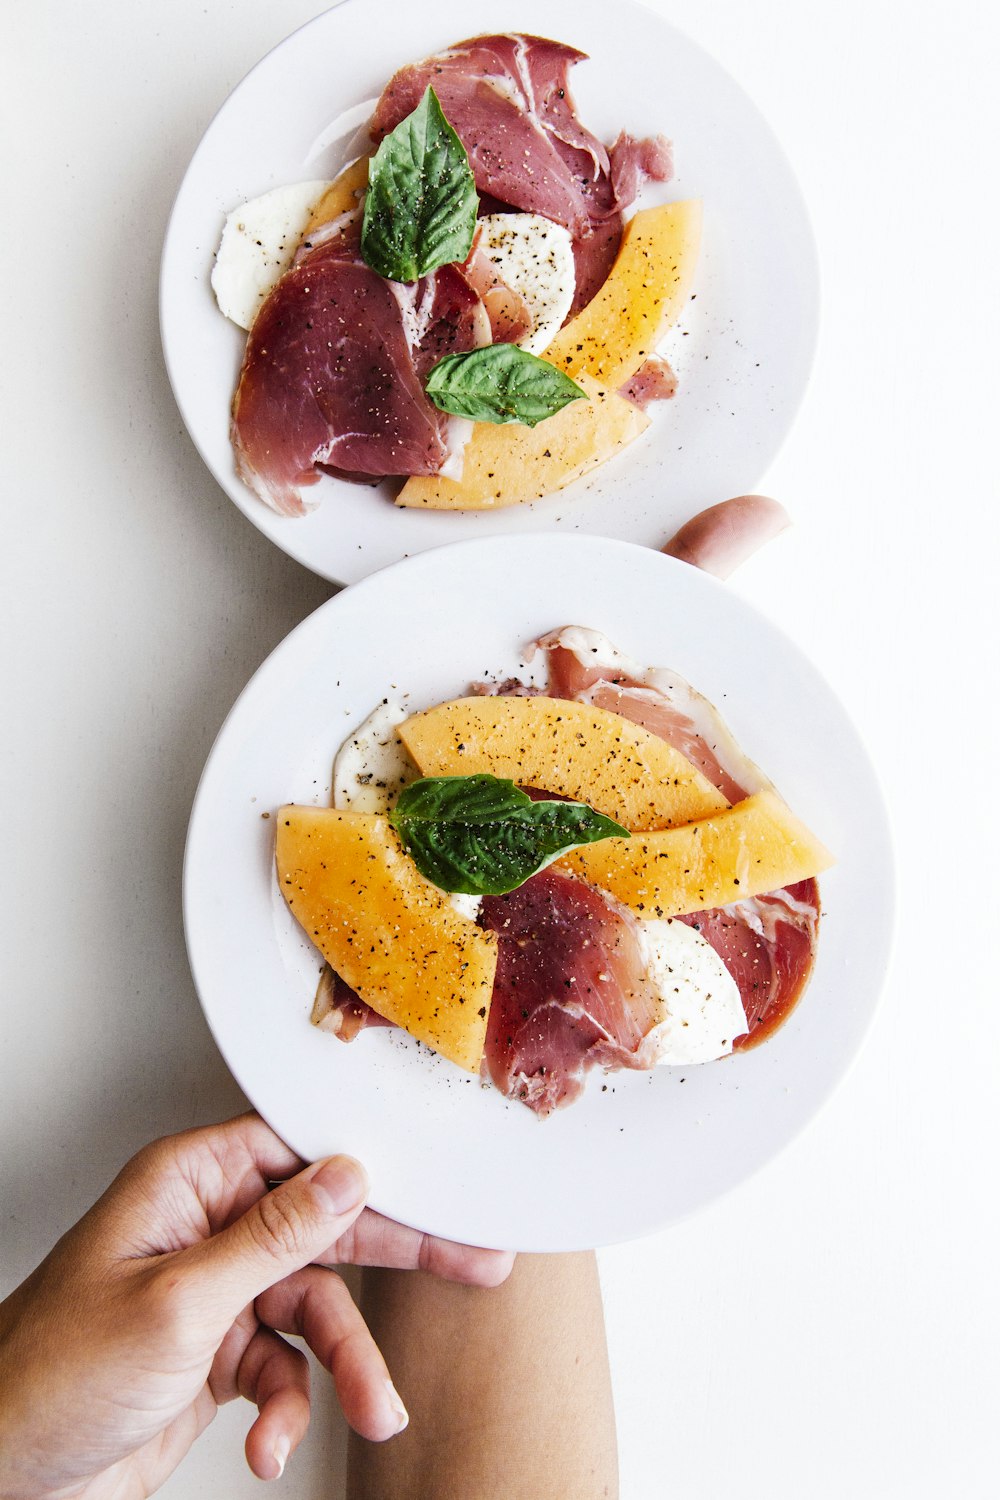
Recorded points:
(444, 1152)
(742, 352)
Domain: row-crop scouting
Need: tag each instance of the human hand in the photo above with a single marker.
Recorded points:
(167, 1299)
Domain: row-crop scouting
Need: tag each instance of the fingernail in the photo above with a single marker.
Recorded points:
(397, 1406)
(280, 1453)
(342, 1181)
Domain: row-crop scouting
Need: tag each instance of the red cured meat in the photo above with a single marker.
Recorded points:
(570, 993)
(653, 381)
(662, 702)
(508, 98)
(509, 314)
(340, 1010)
(333, 369)
(768, 944)
(633, 160)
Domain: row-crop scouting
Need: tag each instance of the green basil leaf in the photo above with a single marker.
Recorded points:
(500, 383)
(421, 203)
(482, 835)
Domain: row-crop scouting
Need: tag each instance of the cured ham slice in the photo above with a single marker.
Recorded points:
(508, 98)
(340, 1010)
(509, 314)
(653, 381)
(332, 376)
(768, 944)
(585, 667)
(571, 991)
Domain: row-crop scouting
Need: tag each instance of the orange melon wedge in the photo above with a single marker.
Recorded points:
(645, 293)
(756, 846)
(345, 192)
(571, 749)
(391, 934)
(506, 465)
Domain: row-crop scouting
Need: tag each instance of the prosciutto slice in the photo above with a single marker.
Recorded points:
(768, 944)
(333, 371)
(571, 991)
(653, 381)
(508, 98)
(509, 314)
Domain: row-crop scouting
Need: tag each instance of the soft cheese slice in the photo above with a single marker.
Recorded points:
(260, 237)
(646, 290)
(702, 1010)
(534, 257)
(571, 749)
(258, 243)
(372, 766)
(506, 465)
(385, 929)
(756, 846)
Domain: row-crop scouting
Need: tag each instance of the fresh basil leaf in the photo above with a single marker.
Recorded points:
(500, 383)
(421, 203)
(482, 835)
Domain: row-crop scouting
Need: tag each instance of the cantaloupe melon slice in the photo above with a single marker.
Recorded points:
(646, 290)
(571, 749)
(346, 191)
(505, 465)
(391, 934)
(757, 845)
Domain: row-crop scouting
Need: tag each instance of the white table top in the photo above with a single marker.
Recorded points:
(830, 1328)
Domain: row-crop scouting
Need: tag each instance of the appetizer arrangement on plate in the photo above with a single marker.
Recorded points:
(546, 295)
(569, 886)
(541, 881)
(464, 307)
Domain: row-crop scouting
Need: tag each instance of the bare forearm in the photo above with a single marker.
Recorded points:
(508, 1389)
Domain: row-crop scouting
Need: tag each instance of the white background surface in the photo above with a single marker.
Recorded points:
(832, 1327)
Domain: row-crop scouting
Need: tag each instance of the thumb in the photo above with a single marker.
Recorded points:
(282, 1232)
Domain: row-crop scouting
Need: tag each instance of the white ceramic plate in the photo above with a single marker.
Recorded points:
(444, 1152)
(742, 352)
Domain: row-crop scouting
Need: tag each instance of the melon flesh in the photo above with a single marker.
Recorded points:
(645, 292)
(756, 846)
(386, 929)
(571, 749)
(505, 465)
(345, 192)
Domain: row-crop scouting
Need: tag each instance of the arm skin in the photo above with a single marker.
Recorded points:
(508, 1390)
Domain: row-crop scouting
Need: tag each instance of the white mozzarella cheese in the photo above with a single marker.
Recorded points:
(534, 257)
(258, 243)
(372, 764)
(466, 905)
(703, 1010)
